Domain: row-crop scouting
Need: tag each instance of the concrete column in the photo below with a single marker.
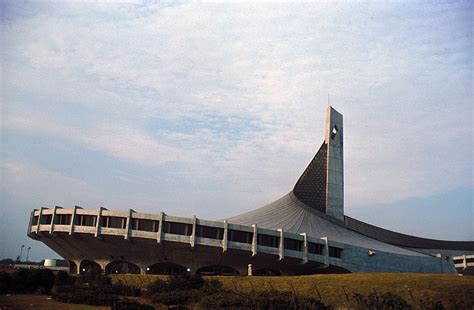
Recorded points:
(254, 240)
(78, 266)
(51, 228)
(326, 250)
(30, 224)
(225, 237)
(249, 270)
(97, 225)
(281, 246)
(464, 262)
(71, 228)
(159, 234)
(128, 226)
(39, 219)
(193, 233)
(305, 247)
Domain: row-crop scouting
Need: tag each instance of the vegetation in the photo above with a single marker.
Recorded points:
(206, 294)
(27, 281)
(353, 291)
(424, 291)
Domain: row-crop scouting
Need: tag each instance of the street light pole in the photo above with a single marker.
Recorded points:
(21, 251)
(28, 253)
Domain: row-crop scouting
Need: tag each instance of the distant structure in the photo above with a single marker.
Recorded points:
(303, 232)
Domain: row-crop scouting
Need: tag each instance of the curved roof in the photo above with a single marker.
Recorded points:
(307, 208)
(293, 216)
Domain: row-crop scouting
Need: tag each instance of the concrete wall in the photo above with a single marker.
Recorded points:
(142, 248)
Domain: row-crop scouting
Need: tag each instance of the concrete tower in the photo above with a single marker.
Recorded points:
(321, 186)
(335, 164)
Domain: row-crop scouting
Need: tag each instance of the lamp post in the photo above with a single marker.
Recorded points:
(21, 252)
(28, 253)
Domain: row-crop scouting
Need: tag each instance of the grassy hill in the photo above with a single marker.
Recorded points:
(454, 292)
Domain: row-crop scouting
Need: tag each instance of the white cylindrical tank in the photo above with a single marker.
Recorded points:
(49, 262)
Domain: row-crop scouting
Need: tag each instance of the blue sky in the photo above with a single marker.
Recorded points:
(216, 109)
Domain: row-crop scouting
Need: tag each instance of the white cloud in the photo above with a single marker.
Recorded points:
(117, 140)
(399, 77)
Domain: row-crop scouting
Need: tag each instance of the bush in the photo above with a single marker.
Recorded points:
(385, 301)
(223, 299)
(5, 282)
(97, 298)
(120, 289)
(125, 304)
(86, 297)
(64, 279)
(177, 283)
(47, 280)
(179, 297)
(30, 281)
(429, 304)
(262, 300)
(93, 280)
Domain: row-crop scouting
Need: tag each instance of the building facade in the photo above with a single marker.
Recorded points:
(303, 232)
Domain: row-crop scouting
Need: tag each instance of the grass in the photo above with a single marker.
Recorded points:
(453, 291)
(39, 302)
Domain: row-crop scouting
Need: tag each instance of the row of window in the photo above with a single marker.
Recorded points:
(186, 230)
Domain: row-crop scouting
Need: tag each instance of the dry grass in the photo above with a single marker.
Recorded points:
(39, 302)
(454, 291)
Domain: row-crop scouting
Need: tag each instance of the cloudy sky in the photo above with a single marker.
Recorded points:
(216, 109)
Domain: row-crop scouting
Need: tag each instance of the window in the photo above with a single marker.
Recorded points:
(315, 248)
(113, 222)
(294, 245)
(46, 219)
(270, 241)
(34, 221)
(177, 228)
(85, 220)
(240, 236)
(334, 132)
(335, 252)
(62, 219)
(209, 232)
(145, 225)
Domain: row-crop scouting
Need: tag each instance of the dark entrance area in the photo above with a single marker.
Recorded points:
(89, 267)
(266, 272)
(122, 267)
(167, 269)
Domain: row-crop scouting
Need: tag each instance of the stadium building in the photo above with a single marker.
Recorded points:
(303, 232)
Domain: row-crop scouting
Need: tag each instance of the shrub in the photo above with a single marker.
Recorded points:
(47, 280)
(261, 300)
(120, 289)
(429, 304)
(97, 298)
(86, 297)
(178, 297)
(177, 283)
(94, 280)
(285, 300)
(64, 279)
(31, 281)
(223, 299)
(125, 304)
(385, 301)
(5, 282)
